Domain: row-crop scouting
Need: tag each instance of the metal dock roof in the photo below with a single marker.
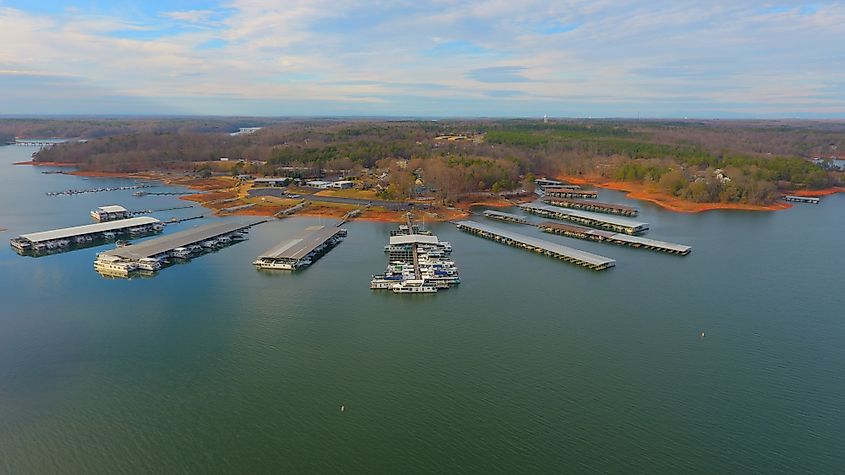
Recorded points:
(160, 245)
(65, 233)
(414, 239)
(301, 245)
(500, 214)
(624, 238)
(111, 209)
(587, 257)
(586, 215)
(595, 204)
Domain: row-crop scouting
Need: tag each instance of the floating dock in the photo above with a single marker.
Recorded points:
(609, 223)
(801, 199)
(595, 206)
(162, 247)
(544, 182)
(561, 192)
(568, 254)
(302, 250)
(511, 218)
(88, 233)
(580, 232)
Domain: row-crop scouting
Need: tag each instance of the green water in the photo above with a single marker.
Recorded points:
(531, 365)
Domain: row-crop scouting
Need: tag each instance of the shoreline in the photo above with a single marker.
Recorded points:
(46, 164)
(637, 191)
(218, 188)
(816, 193)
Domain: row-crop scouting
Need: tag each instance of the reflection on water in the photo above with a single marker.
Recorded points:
(530, 364)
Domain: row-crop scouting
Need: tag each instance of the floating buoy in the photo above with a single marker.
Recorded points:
(702, 334)
(342, 408)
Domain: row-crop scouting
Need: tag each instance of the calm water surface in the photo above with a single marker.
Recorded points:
(532, 365)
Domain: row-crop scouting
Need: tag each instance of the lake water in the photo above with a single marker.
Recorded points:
(531, 365)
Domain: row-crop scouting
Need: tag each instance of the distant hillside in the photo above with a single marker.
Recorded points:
(702, 161)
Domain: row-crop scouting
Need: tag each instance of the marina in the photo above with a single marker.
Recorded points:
(608, 223)
(417, 263)
(150, 255)
(566, 192)
(508, 217)
(302, 250)
(801, 199)
(595, 206)
(88, 234)
(548, 248)
(580, 232)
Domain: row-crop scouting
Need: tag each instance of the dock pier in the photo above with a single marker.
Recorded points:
(85, 235)
(594, 206)
(508, 217)
(149, 255)
(302, 250)
(595, 220)
(580, 232)
(548, 248)
(545, 182)
(801, 199)
(561, 192)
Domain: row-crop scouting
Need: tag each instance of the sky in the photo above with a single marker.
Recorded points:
(424, 58)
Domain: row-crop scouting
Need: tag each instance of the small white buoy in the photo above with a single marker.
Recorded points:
(342, 408)
(702, 334)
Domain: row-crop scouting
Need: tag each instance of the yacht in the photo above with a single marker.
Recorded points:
(149, 264)
(413, 287)
(113, 265)
(273, 264)
(181, 253)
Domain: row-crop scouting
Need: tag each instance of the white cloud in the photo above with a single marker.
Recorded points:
(721, 53)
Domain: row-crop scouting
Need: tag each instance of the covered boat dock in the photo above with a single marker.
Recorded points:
(609, 223)
(580, 232)
(568, 254)
(302, 249)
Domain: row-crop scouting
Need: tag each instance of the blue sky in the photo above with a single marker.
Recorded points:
(437, 58)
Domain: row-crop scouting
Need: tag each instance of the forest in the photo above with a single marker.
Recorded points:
(703, 161)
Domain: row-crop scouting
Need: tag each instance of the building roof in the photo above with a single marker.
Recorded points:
(302, 244)
(111, 209)
(584, 256)
(413, 239)
(160, 245)
(65, 233)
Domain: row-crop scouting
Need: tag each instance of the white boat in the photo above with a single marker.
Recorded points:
(384, 281)
(109, 235)
(113, 265)
(413, 287)
(274, 264)
(149, 264)
(181, 253)
(209, 244)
